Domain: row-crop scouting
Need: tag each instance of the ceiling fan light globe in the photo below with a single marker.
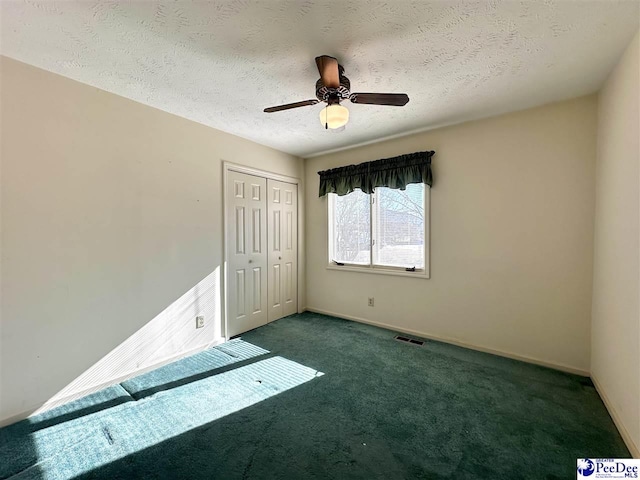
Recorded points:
(334, 116)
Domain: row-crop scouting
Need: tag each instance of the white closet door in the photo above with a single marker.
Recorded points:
(282, 231)
(246, 205)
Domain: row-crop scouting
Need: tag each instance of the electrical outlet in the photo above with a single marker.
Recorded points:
(371, 301)
(200, 321)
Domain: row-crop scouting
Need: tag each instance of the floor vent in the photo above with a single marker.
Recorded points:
(586, 382)
(410, 341)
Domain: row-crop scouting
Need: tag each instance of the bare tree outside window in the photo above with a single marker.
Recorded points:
(399, 227)
(397, 230)
(351, 228)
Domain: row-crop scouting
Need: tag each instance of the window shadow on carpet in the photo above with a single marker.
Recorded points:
(72, 448)
(28, 445)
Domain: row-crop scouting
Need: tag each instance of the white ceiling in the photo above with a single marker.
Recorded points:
(221, 63)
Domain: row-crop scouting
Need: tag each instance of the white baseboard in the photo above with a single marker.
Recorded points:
(459, 343)
(49, 404)
(624, 433)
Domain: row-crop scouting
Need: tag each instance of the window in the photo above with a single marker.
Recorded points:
(386, 231)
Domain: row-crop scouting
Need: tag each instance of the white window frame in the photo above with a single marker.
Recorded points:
(380, 269)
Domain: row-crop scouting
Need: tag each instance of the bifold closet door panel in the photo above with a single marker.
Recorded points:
(247, 260)
(282, 231)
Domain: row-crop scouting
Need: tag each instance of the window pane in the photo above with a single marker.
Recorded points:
(399, 229)
(351, 230)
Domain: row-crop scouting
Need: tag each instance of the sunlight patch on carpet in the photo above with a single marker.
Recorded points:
(131, 427)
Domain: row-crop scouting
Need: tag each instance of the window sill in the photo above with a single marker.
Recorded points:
(379, 271)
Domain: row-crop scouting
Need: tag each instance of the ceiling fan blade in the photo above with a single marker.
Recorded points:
(397, 99)
(329, 73)
(291, 105)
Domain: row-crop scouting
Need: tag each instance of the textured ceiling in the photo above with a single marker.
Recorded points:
(221, 63)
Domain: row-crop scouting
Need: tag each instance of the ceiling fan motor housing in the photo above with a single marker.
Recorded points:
(334, 95)
(333, 87)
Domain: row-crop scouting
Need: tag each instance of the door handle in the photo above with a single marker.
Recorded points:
(250, 261)
(279, 258)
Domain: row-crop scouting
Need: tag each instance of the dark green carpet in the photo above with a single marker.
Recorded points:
(311, 396)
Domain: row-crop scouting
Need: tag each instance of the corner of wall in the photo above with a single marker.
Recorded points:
(615, 313)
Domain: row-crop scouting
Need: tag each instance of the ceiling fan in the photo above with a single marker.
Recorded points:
(333, 87)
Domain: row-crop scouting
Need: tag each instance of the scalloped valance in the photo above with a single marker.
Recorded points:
(396, 172)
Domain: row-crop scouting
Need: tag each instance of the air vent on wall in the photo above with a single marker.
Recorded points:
(410, 341)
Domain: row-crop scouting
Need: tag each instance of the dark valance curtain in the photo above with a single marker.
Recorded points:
(396, 172)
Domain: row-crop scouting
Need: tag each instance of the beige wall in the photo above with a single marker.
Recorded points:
(615, 344)
(111, 234)
(511, 237)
